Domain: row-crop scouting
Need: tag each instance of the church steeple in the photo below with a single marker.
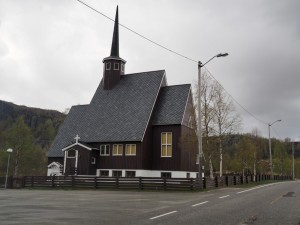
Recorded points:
(114, 66)
(115, 41)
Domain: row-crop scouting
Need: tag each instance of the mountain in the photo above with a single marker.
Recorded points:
(33, 117)
(43, 123)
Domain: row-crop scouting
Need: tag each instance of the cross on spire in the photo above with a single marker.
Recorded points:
(76, 138)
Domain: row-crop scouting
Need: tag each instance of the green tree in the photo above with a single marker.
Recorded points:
(282, 162)
(245, 155)
(27, 158)
(45, 134)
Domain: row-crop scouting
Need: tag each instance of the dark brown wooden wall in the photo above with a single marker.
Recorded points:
(189, 149)
(166, 163)
(121, 162)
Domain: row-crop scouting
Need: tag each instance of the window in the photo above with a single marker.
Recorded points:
(130, 173)
(107, 66)
(166, 144)
(130, 149)
(104, 173)
(166, 175)
(118, 149)
(93, 160)
(104, 150)
(117, 173)
(122, 67)
(71, 153)
(116, 66)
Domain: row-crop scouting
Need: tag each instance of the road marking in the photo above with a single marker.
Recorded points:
(224, 196)
(162, 215)
(251, 189)
(276, 200)
(201, 203)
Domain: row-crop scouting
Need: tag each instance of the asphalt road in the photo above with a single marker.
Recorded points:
(277, 203)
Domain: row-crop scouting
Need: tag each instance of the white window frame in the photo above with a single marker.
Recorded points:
(106, 171)
(118, 154)
(107, 66)
(166, 173)
(71, 157)
(116, 66)
(130, 154)
(130, 171)
(165, 144)
(117, 171)
(107, 149)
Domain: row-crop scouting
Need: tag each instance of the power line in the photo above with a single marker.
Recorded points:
(174, 52)
(251, 114)
(140, 35)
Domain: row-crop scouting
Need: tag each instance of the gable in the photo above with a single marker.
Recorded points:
(117, 115)
(75, 144)
(171, 105)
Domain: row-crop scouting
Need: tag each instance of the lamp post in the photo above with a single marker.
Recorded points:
(9, 151)
(200, 65)
(293, 161)
(270, 150)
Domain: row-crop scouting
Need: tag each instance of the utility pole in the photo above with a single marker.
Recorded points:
(270, 148)
(200, 152)
(293, 161)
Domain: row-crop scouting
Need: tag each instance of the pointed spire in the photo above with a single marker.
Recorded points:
(115, 41)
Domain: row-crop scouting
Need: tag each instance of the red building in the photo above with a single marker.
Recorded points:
(135, 125)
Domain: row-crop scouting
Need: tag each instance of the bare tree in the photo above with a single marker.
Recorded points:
(226, 119)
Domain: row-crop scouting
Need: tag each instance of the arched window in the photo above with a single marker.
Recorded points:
(71, 153)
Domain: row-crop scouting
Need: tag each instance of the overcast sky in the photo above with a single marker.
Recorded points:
(51, 51)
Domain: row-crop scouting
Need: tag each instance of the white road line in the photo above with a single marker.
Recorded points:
(162, 215)
(256, 188)
(201, 203)
(224, 196)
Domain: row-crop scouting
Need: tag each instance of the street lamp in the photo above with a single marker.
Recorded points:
(200, 65)
(9, 151)
(270, 150)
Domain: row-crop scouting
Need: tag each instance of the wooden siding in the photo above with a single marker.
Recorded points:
(121, 162)
(189, 112)
(84, 166)
(166, 163)
(189, 149)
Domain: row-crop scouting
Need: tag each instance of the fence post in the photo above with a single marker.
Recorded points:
(204, 182)
(73, 182)
(165, 184)
(140, 183)
(32, 181)
(52, 181)
(191, 184)
(117, 182)
(95, 182)
(23, 181)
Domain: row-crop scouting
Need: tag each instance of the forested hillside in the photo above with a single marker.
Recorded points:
(29, 132)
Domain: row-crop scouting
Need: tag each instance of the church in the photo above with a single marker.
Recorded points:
(135, 126)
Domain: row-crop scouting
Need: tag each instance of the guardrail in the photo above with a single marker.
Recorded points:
(141, 183)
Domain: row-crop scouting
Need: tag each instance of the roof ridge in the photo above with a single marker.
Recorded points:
(177, 85)
(144, 72)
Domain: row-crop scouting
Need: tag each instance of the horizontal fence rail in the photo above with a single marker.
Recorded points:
(141, 183)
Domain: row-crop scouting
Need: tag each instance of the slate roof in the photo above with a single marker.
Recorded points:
(171, 105)
(117, 115)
